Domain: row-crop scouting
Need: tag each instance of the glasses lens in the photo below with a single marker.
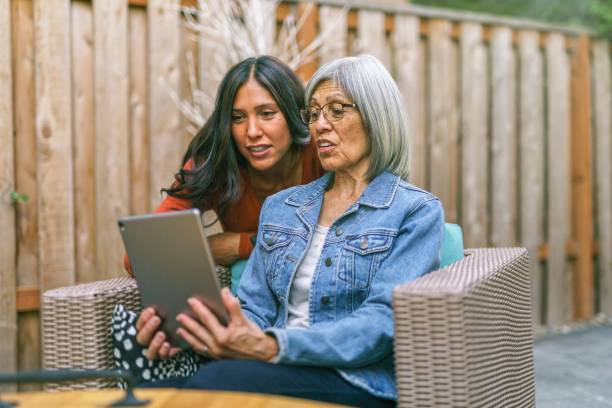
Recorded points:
(335, 111)
(309, 114)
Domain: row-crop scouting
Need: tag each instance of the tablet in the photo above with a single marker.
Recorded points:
(172, 262)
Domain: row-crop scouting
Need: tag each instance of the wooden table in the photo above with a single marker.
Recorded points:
(165, 398)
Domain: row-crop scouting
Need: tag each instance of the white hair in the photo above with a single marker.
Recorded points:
(366, 81)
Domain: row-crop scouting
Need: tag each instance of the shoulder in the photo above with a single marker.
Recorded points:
(299, 195)
(415, 197)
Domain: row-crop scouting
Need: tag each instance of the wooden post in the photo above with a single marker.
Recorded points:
(558, 307)
(139, 132)
(410, 79)
(474, 151)
(306, 34)
(8, 314)
(443, 118)
(83, 108)
(54, 141)
(531, 152)
(503, 139)
(372, 38)
(111, 141)
(582, 208)
(602, 106)
(164, 25)
(28, 340)
(332, 21)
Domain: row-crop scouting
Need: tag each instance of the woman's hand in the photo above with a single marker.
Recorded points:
(240, 339)
(152, 338)
(224, 247)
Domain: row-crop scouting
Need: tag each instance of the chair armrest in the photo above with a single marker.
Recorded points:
(76, 325)
(463, 334)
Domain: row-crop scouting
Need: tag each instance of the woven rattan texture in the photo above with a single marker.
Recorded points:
(464, 335)
(76, 325)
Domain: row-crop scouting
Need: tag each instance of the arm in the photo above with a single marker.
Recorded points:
(415, 253)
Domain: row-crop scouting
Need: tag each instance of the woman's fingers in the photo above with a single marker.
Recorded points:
(197, 329)
(193, 341)
(155, 345)
(144, 317)
(232, 305)
(206, 317)
(146, 333)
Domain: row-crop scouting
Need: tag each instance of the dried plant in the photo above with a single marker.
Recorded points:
(228, 31)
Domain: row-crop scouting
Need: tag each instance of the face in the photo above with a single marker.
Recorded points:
(259, 127)
(342, 144)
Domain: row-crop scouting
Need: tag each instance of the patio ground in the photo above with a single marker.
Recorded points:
(575, 369)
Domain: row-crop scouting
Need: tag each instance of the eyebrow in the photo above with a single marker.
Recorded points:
(331, 96)
(259, 107)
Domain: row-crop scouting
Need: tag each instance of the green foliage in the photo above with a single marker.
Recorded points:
(19, 198)
(595, 15)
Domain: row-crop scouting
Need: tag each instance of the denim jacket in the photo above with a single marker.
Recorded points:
(391, 235)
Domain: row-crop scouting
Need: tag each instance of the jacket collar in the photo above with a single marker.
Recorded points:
(378, 194)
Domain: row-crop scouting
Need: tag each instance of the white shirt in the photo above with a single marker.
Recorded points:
(299, 293)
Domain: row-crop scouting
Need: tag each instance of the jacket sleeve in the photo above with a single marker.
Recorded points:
(256, 298)
(415, 252)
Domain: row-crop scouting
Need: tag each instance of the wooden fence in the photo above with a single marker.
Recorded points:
(511, 125)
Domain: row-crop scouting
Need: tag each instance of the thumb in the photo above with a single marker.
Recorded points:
(232, 304)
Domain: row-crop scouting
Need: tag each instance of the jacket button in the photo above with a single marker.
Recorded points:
(364, 243)
(328, 261)
(325, 300)
(339, 231)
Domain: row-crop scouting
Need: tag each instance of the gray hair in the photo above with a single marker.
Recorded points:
(367, 82)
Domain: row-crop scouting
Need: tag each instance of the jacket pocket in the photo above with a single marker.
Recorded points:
(274, 241)
(362, 254)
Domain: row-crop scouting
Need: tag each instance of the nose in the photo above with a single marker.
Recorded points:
(253, 129)
(322, 124)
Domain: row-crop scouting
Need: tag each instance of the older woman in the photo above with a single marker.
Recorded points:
(314, 317)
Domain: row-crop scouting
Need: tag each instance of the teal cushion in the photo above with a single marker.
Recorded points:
(452, 250)
(452, 245)
(236, 270)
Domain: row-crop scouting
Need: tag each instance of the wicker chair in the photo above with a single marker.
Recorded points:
(463, 333)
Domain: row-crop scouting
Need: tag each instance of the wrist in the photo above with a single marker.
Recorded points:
(271, 347)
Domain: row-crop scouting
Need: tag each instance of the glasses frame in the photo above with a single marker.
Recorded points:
(319, 110)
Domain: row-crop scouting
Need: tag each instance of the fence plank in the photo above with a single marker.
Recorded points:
(372, 38)
(164, 117)
(503, 141)
(410, 78)
(582, 194)
(8, 315)
(559, 296)
(84, 141)
(212, 60)
(111, 140)
(443, 162)
(602, 108)
(309, 14)
(531, 111)
(25, 179)
(332, 23)
(474, 151)
(54, 138)
(139, 135)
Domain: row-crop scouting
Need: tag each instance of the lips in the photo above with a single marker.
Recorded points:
(325, 146)
(258, 150)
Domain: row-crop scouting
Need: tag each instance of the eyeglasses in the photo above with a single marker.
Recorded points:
(332, 112)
